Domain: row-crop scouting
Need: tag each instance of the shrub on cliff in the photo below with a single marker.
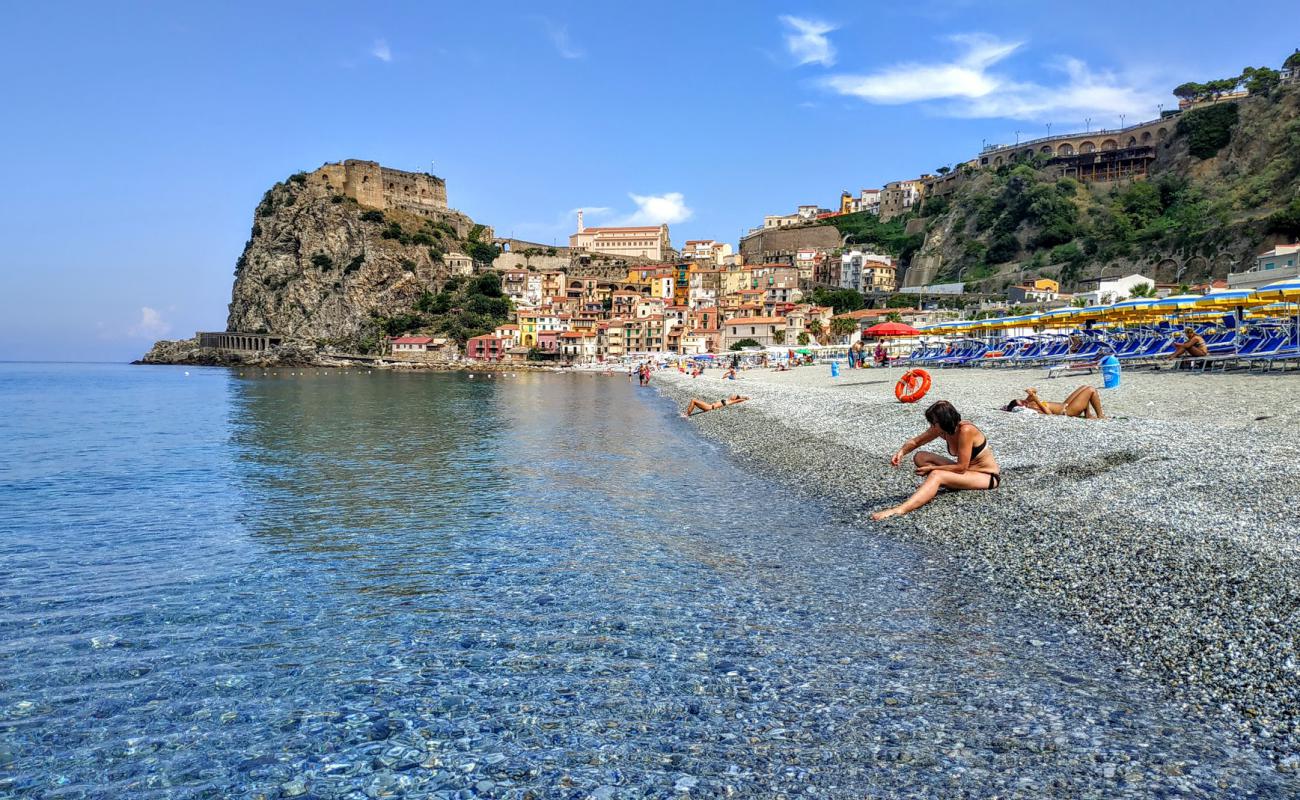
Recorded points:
(1208, 130)
(372, 216)
(322, 262)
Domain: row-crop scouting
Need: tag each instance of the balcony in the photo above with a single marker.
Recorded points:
(1255, 278)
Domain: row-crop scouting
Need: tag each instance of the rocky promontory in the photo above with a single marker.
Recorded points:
(339, 258)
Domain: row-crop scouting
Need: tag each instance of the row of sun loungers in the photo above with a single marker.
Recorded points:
(1260, 346)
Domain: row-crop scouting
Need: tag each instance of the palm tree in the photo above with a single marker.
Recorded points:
(894, 316)
(1143, 290)
(816, 329)
(842, 327)
(778, 336)
(1079, 302)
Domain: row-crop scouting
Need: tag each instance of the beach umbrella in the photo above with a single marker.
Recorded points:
(891, 329)
(1231, 298)
(1286, 289)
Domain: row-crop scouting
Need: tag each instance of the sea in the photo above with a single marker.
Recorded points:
(218, 583)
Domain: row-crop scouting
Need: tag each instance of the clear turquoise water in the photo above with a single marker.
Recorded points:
(370, 585)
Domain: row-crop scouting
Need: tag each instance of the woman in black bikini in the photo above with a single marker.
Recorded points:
(975, 467)
(698, 406)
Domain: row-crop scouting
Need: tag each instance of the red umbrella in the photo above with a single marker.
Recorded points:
(891, 329)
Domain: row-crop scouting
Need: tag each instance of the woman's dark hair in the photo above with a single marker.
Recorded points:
(944, 415)
(1012, 406)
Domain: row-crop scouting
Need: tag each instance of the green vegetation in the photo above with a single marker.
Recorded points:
(1208, 130)
(355, 263)
(481, 252)
(1287, 220)
(322, 262)
(463, 308)
(900, 300)
(839, 299)
(373, 215)
(803, 337)
(743, 343)
(866, 228)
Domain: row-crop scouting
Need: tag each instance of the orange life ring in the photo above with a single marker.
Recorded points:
(912, 386)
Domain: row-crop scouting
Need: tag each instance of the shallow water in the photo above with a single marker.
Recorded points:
(371, 585)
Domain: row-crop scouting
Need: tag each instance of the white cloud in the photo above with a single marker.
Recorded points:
(807, 42)
(559, 36)
(971, 88)
(653, 209)
(151, 325)
(381, 51)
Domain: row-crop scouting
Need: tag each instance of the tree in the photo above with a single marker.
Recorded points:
(1079, 302)
(743, 343)
(1260, 80)
(843, 326)
(894, 316)
(778, 336)
(900, 300)
(1292, 61)
(1143, 290)
(943, 170)
(1189, 90)
(803, 337)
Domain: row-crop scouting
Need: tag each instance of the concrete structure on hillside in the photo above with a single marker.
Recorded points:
(707, 250)
(898, 197)
(869, 273)
(1283, 261)
(643, 241)
(240, 342)
(1143, 134)
(782, 245)
(375, 186)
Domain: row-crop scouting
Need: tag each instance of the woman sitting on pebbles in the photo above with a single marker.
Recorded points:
(1083, 402)
(698, 406)
(975, 467)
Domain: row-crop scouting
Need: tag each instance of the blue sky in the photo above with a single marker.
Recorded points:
(140, 136)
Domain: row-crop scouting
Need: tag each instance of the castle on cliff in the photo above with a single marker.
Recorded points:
(375, 186)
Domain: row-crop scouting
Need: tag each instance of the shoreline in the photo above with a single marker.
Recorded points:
(1165, 532)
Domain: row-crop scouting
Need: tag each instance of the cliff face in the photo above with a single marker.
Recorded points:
(321, 269)
(1212, 199)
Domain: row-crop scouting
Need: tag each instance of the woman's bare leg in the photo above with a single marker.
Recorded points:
(697, 405)
(930, 487)
(924, 459)
(1084, 402)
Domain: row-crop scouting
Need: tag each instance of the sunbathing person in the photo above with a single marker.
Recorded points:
(698, 406)
(1083, 402)
(1193, 346)
(974, 467)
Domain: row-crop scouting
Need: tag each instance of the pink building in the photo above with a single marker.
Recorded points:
(487, 347)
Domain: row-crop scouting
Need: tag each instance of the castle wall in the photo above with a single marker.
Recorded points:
(375, 186)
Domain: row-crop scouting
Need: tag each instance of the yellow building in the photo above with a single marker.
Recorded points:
(527, 328)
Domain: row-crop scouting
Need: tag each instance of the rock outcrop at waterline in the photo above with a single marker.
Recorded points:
(335, 253)
(188, 351)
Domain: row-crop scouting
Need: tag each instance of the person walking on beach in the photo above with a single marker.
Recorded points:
(1083, 402)
(855, 355)
(974, 467)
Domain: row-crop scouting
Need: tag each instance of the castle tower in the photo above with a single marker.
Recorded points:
(580, 227)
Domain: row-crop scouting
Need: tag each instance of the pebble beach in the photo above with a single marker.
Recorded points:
(1166, 532)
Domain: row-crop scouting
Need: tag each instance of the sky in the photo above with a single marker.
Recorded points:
(139, 136)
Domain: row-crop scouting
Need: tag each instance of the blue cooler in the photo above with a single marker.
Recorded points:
(1110, 372)
(835, 368)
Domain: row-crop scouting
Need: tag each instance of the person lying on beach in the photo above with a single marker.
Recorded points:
(1083, 402)
(974, 467)
(1193, 346)
(698, 406)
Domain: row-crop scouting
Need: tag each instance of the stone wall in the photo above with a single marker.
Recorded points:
(788, 240)
(375, 186)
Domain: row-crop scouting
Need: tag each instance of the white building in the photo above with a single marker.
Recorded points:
(1113, 290)
(760, 329)
(706, 250)
(866, 272)
(648, 241)
(1277, 264)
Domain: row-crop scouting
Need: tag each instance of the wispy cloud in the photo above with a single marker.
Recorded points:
(969, 86)
(654, 209)
(151, 325)
(381, 51)
(806, 40)
(559, 36)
